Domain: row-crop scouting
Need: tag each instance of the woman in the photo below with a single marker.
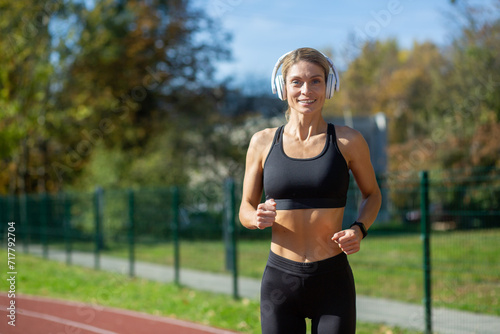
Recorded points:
(303, 167)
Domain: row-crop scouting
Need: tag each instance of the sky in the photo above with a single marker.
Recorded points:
(263, 30)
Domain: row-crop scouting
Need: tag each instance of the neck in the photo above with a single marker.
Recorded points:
(303, 127)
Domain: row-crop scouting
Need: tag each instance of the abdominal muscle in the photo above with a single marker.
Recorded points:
(305, 235)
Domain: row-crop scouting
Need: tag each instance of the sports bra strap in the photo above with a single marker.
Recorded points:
(332, 134)
(277, 135)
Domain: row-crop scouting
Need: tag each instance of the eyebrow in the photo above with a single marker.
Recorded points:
(312, 77)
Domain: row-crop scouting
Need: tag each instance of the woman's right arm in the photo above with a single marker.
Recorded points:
(254, 214)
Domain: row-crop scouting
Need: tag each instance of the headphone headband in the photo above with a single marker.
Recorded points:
(279, 90)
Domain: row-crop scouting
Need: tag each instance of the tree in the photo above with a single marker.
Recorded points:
(117, 73)
(25, 92)
(469, 96)
(406, 94)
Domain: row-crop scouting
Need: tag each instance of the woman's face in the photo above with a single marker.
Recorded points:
(305, 87)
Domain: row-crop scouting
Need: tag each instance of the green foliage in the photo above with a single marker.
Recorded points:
(443, 104)
(25, 78)
(83, 78)
(105, 168)
(467, 107)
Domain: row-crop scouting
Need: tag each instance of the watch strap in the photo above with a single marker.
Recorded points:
(361, 227)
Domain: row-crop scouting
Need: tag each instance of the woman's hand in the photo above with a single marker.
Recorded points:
(349, 240)
(266, 214)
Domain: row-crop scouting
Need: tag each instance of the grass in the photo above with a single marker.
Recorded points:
(56, 280)
(465, 269)
(465, 265)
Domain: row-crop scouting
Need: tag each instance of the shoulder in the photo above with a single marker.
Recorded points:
(349, 137)
(263, 137)
(351, 142)
(261, 142)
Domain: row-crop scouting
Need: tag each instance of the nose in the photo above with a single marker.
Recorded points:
(305, 89)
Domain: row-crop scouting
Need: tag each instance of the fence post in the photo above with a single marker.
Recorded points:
(175, 232)
(98, 212)
(68, 237)
(425, 233)
(44, 230)
(230, 233)
(131, 232)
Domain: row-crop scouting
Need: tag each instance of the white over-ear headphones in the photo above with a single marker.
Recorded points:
(278, 84)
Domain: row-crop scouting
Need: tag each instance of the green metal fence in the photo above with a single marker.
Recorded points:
(434, 242)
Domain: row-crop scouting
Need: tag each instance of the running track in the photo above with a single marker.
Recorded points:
(37, 315)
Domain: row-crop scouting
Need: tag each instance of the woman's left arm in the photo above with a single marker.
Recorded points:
(362, 170)
(355, 150)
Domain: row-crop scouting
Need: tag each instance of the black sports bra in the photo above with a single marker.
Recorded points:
(318, 182)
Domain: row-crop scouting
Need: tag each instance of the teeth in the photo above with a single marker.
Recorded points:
(307, 101)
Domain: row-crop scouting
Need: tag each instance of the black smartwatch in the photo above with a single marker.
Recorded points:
(361, 227)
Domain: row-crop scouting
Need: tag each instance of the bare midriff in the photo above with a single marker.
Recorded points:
(305, 235)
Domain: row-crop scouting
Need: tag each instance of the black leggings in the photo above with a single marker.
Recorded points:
(322, 291)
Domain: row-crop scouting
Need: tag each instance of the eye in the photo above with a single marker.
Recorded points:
(295, 82)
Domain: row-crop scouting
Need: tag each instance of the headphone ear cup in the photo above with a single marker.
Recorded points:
(330, 86)
(280, 87)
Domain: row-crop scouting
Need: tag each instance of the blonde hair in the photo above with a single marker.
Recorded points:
(303, 54)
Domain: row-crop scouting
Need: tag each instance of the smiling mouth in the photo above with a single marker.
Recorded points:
(306, 101)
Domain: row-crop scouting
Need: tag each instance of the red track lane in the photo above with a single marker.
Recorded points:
(37, 315)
